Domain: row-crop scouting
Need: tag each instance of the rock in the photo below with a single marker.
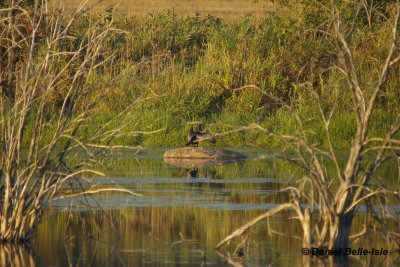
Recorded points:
(189, 157)
(202, 153)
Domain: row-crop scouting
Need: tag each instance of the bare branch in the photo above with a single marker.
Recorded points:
(245, 227)
(96, 191)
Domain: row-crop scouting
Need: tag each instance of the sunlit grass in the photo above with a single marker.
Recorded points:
(226, 9)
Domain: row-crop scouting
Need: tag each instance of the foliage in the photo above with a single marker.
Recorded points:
(191, 69)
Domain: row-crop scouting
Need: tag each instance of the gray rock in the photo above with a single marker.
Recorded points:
(202, 153)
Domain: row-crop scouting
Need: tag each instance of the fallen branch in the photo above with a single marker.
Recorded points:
(89, 192)
(244, 228)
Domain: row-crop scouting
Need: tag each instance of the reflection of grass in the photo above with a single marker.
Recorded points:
(225, 9)
(135, 236)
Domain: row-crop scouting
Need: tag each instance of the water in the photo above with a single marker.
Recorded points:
(181, 216)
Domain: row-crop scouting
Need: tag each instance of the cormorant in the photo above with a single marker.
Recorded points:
(195, 137)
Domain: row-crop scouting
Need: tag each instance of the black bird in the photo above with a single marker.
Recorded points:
(195, 137)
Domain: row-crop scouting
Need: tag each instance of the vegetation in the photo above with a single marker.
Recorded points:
(47, 94)
(325, 203)
(228, 10)
(193, 69)
(183, 69)
(321, 74)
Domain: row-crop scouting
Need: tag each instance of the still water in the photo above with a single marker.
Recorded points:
(182, 215)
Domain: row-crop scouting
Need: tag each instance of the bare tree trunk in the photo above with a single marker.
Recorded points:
(340, 231)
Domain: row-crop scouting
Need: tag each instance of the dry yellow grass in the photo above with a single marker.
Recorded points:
(226, 9)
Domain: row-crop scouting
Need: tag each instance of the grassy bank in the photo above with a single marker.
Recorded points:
(181, 69)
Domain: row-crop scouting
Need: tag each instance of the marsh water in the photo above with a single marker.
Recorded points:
(183, 213)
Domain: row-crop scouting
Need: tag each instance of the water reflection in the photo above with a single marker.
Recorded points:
(200, 167)
(17, 255)
(198, 162)
(193, 173)
(184, 212)
(170, 236)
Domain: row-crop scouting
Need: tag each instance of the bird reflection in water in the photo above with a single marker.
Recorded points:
(194, 173)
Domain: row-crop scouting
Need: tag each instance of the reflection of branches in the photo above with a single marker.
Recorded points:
(230, 259)
(14, 255)
(89, 257)
(248, 225)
